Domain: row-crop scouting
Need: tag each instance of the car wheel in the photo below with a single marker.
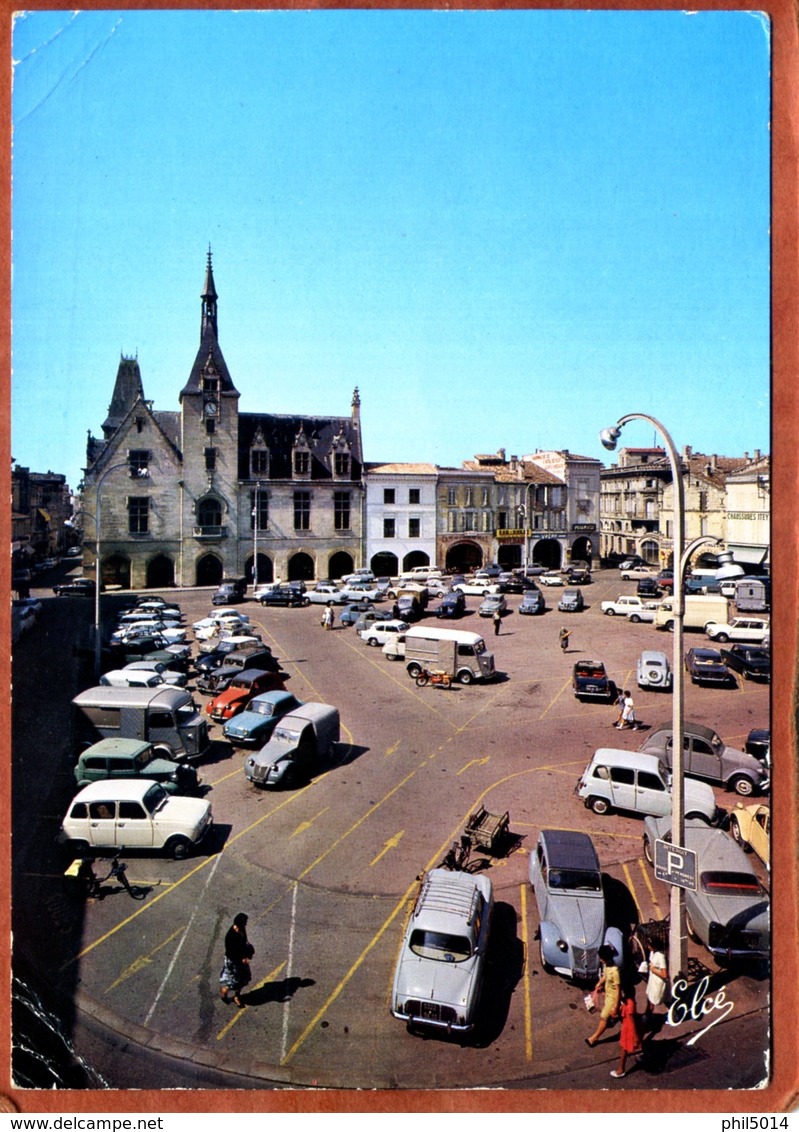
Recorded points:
(669, 626)
(735, 830)
(162, 752)
(634, 618)
(696, 816)
(648, 851)
(373, 642)
(722, 638)
(743, 786)
(610, 612)
(465, 677)
(599, 805)
(306, 601)
(547, 967)
(414, 669)
(179, 848)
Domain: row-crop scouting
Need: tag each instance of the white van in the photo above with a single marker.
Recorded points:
(463, 655)
(641, 784)
(700, 610)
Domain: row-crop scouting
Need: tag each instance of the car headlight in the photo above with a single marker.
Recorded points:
(562, 945)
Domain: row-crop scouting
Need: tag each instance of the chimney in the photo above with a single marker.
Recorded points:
(501, 454)
(756, 455)
(686, 452)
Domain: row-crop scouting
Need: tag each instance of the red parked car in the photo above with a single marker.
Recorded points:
(665, 580)
(251, 682)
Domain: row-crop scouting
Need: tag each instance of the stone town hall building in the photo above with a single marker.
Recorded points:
(188, 497)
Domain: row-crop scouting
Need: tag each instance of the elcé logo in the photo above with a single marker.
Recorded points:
(697, 1006)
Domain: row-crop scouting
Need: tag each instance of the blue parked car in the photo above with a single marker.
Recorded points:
(252, 727)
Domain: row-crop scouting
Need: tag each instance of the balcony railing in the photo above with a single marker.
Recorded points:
(211, 532)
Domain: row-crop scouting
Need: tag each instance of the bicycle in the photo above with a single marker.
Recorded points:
(90, 885)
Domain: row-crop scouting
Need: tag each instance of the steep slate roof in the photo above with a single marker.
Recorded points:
(209, 343)
(128, 389)
(279, 433)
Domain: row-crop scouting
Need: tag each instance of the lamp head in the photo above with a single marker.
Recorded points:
(609, 436)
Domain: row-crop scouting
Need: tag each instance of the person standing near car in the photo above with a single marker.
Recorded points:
(656, 982)
(563, 637)
(327, 619)
(497, 619)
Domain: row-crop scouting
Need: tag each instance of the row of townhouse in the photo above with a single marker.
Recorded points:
(209, 491)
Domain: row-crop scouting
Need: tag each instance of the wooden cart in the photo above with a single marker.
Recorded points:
(487, 831)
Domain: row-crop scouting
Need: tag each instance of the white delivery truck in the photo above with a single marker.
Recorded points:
(700, 610)
(460, 654)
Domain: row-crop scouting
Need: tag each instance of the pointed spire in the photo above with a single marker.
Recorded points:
(209, 298)
(127, 390)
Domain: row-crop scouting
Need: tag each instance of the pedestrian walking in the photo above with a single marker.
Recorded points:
(497, 619)
(235, 972)
(656, 982)
(630, 1033)
(328, 618)
(627, 712)
(620, 706)
(563, 637)
(610, 983)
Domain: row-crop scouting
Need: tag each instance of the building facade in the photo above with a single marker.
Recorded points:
(400, 517)
(206, 492)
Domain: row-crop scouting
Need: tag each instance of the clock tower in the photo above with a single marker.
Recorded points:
(209, 439)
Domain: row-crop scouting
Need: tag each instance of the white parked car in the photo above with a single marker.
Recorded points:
(639, 572)
(441, 967)
(551, 578)
(363, 591)
(394, 648)
(622, 605)
(653, 670)
(646, 613)
(478, 586)
(754, 629)
(126, 813)
(381, 631)
(234, 640)
(120, 678)
(168, 675)
(324, 594)
(174, 636)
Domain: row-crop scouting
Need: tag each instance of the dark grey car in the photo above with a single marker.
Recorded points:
(707, 756)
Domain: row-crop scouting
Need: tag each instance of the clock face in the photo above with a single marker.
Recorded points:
(210, 408)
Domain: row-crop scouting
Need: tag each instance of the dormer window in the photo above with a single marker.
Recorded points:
(259, 462)
(302, 462)
(342, 464)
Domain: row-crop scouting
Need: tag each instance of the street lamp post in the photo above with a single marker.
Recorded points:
(678, 942)
(141, 473)
(255, 520)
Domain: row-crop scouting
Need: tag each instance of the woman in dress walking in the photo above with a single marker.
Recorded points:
(235, 972)
(630, 1034)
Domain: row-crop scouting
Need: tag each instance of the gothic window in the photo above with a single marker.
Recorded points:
(341, 505)
(138, 514)
(209, 513)
(138, 461)
(259, 510)
(302, 508)
(259, 462)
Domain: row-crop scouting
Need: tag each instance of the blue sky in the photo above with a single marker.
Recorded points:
(506, 228)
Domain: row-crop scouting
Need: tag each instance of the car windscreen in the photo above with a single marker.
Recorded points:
(729, 884)
(155, 797)
(440, 945)
(261, 709)
(186, 713)
(581, 880)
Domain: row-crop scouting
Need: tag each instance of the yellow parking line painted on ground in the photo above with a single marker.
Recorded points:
(305, 825)
(353, 969)
(648, 883)
(241, 1012)
(555, 699)
(528, 1016)
(631, 889)
(143, 961)
(392, 843)
(473, 762)
(392, 750)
